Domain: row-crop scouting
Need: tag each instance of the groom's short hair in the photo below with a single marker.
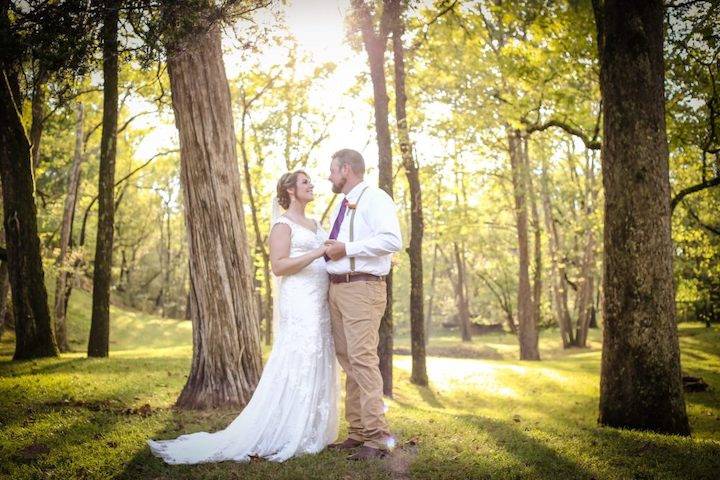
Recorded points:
(350, 157)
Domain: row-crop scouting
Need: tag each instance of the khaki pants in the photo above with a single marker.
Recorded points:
(356, 309)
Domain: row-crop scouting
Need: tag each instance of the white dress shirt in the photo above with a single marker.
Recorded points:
(376, 232)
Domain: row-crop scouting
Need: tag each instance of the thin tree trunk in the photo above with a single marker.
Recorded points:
(502, 299)
(640, 380)
(417, 325)
(510, 320)
(34, 333)
(559, 286)
(586, 283)
(586, 287)
(375, 45)
(64, 276)
(267, 303)
(461, 299)
(528, 335)
(165, 255)
(289, 113)
(537, 230)
(226, 362)
(431, 296)
(99, 342)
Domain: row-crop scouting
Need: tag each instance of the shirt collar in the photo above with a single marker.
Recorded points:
(353, 194)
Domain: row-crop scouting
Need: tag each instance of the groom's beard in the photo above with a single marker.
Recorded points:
(337, 187)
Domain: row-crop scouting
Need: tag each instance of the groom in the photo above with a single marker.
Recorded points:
(364, 235)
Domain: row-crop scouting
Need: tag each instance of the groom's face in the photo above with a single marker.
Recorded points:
(337, 177)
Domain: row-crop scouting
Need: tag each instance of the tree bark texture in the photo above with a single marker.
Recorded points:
(226, 363)
(640, 385)
(34, 334)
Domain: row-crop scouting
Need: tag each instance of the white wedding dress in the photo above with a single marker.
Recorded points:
(294, 409)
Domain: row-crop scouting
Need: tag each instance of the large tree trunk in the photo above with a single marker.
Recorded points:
(559, 284)
(527, 328)
(64, 276)
(34, 335)
(99, 342)
(226, 362)
(640, 385)
(417, 326)
(375, 44)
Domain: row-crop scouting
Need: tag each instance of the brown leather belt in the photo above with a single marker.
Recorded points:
(355, 277)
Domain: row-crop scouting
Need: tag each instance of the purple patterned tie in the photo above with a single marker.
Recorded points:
(338, 221)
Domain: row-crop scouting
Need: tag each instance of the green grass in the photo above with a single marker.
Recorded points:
(485, 416)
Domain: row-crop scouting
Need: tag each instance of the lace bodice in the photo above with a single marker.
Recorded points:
(302, 239)
(294, 409)
(303, 295)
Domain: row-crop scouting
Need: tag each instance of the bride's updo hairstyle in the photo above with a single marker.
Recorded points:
(288, 180)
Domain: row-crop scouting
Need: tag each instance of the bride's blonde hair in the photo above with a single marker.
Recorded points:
(287, 180)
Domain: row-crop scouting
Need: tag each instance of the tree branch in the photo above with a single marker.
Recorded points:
(709, 228)
(589, 144)
(713, 182)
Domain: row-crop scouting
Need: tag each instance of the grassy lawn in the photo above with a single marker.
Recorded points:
(487, 415)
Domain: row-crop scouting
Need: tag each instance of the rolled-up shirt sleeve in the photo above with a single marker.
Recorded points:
(386, 237)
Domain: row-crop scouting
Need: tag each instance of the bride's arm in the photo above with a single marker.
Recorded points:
(280, 261)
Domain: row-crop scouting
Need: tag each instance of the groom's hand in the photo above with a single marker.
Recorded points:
(335, 250)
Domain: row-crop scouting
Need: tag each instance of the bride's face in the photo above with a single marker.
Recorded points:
(304, 189)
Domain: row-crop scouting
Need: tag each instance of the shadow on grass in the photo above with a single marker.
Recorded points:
(429, 397)
(495, 449)
(540, 459)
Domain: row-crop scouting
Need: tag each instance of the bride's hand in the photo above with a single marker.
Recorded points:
(320, 251)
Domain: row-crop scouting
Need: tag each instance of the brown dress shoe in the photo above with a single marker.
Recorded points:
(368, 453)
(347, 444)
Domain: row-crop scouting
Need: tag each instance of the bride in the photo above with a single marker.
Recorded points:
(293, 410)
